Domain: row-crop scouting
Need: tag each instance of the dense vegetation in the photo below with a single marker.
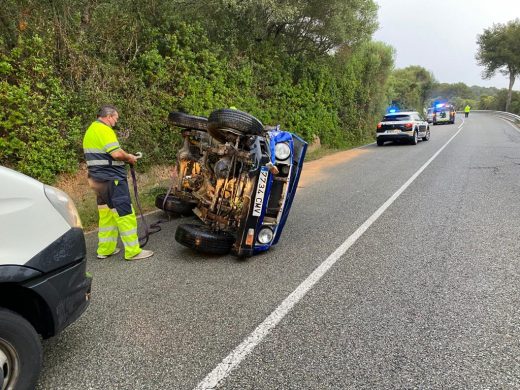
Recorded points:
(309, 65)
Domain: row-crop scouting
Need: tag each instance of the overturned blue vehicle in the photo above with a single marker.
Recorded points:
(241, 184)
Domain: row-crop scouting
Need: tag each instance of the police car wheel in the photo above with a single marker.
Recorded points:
(414, 139)
(427, 137)
(380, 143)
(188, 121)
(175, 205)
(202, 238)
(20, 352)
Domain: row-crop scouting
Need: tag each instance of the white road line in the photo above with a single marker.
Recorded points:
(230, 362)
(511, 124)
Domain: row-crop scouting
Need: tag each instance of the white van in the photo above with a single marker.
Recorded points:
(43, 281)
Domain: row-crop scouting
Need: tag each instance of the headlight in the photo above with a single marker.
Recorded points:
(282, 151)
(64, 205)
(265, 235)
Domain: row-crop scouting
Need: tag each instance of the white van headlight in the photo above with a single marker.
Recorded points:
(282, 151)
(265, 235)
(64, 205)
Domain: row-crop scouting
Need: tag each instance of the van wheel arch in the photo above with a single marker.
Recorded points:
(30, 306)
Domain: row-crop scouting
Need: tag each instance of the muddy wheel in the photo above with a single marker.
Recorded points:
(225, 124)
(202, 239)
(172, 204)
(188, 121)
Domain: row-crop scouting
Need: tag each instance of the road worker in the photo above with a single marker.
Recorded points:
(467, 110)
(107, 176)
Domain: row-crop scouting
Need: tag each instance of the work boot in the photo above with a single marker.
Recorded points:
(115, 252)
(144, 254)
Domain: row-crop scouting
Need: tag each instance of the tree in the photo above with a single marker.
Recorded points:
(410, 87)
(295, 26)
(499, 50)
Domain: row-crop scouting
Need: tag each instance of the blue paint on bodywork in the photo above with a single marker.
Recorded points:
(277, 136)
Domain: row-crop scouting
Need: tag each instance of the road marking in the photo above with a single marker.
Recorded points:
(511, 124)
(230, 362)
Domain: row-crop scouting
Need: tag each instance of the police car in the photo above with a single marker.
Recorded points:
(404, 126)
(443, 113)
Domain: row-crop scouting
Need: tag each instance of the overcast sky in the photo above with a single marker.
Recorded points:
(441, 35)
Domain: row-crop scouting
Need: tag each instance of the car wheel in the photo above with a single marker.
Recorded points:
(380, 143)
(20, 352)
(427, 137)
(202, 239)
(225, 124)
(188, 121)
(174, 204)
(414, 139)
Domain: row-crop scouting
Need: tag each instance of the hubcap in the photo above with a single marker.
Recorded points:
(9, 366)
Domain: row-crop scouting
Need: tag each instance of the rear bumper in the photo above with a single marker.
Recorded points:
(395, 137)
(66, 293)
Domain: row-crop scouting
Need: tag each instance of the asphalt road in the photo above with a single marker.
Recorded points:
(428, 297)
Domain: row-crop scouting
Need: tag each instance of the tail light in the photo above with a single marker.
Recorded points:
(379, 125)
(408, 125)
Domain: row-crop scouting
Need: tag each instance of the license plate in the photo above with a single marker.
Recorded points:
(393, 131)
(260, 192)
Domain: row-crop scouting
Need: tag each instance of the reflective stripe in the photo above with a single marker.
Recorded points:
(108, 146)
(93, 150)
(102, 206)
(128, 233)
(107, 163)
(107, 239)
(131, 243)
(92, 163)
(107, 228)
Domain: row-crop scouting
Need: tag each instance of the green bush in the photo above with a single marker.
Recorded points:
(38, 132)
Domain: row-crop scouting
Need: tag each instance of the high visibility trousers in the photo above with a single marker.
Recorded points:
(110, 225)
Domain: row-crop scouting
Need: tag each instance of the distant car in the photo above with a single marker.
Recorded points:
(443, 113)
(429, 115)
(405, 126)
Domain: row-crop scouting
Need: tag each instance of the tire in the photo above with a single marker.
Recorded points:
(240, 122)
(174, 204)
(427, 135)
(380, 143)
(188, 121)
(202, 239)
(20, 352)
(414, 140)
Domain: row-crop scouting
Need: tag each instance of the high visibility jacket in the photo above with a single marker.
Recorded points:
(467, 108)
(99, 141)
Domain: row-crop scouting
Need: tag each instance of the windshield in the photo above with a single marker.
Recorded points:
(389, 118)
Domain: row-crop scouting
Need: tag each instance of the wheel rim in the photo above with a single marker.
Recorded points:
(9, 366)
(415, 137)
